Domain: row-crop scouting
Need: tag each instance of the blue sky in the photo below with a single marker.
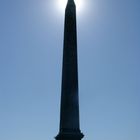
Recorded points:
(31, 43)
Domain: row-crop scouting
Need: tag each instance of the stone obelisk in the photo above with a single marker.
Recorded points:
(69, 111)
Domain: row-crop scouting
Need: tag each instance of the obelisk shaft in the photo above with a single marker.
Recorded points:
(69, 118)
(69, 113)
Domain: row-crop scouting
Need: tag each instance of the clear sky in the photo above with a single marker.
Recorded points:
(31, 43)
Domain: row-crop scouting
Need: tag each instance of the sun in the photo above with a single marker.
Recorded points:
(62, 5)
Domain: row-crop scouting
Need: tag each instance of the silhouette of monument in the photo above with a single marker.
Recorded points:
(69, 113)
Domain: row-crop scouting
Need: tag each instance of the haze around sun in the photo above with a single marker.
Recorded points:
(62, 4)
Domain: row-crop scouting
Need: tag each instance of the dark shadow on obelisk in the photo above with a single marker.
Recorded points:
(69, 110)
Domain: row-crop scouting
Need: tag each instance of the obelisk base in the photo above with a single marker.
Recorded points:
(69, 136)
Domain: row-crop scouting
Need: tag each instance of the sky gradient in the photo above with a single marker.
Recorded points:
(31, 44)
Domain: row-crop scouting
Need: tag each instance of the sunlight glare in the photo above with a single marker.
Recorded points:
(62, 5)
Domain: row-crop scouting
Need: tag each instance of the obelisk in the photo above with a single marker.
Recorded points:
(69, 110)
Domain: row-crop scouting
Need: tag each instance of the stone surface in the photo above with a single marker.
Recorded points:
(69, 114)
